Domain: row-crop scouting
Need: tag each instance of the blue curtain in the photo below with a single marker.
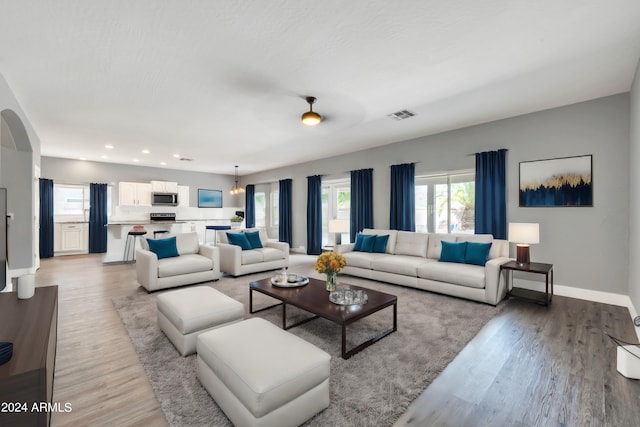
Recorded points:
(46, 218)
(284, 212)
(402, 213)
(250, 206)
(97, 218)
(491, 193)
(361, 201)
(314, 215)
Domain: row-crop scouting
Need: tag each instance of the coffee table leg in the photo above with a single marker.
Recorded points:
(284, 316)
(344, 341)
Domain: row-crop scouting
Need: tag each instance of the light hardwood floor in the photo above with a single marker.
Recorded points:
(530, 365)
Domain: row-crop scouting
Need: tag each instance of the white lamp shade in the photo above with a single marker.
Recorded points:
(524, 232)
(339, 226)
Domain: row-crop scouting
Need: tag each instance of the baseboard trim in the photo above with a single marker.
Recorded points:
(599, 296)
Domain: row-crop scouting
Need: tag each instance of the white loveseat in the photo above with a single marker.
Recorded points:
(196, 263)
(412, 259)
(237, 262)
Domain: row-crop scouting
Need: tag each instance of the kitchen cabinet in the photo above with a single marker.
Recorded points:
(134, 194)
(183, 195)
(164, 187)
(74, 237)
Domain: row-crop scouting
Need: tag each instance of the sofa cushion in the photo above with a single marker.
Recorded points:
(270, 254)
(380, 245)
(239, 239)
(450, 272)
(435, 244)
(367, 242)
(453, 252)
(357, 246)
(187, 243)
(494, 252)
(399, 264)
(254, 239)
(361, 259)
(410, 243)
(477, 253)
(393, 235)
(183, 264)
(252, 256)
(163, 248)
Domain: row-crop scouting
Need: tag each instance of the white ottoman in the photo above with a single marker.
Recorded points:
(261, 375)
(186, 313)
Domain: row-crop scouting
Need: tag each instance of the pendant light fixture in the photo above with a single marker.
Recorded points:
(311, 118)
(236, 189)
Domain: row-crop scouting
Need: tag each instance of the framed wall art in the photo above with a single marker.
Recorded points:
(565, 181)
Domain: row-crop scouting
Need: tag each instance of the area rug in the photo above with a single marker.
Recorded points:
(372, 388)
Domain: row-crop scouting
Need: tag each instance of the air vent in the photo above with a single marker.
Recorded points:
(401, 115)
(186, 159)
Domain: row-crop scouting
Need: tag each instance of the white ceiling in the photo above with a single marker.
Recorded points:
(223, 81)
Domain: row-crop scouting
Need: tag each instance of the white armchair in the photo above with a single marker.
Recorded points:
(237, 262)
(196, 263)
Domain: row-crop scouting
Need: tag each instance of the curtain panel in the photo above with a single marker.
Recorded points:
(402, 206)
(361, 201)
(97, 218)
(250, 206)
(491, 193)
(285, 231)
(46, 218)
(314, 215)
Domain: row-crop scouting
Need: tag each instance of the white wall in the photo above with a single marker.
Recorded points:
(586, 245)
(634, 193)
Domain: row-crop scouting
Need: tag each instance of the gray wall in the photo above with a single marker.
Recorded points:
(586, 245)
(634, 193)
(69, 171)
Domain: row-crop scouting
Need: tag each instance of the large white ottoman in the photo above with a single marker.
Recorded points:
(261, 375)
(186, 313)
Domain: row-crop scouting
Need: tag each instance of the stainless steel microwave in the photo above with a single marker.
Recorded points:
(164, 199)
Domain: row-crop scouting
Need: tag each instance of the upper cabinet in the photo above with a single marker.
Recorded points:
(183, 195)
(164, 187)
(134, 194)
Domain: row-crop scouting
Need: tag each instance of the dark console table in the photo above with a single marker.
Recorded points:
(27, 379)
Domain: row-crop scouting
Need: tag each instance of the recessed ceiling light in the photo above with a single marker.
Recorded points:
(109, 146)
(104, 157)
(177, 156)
(136, 160)
(145, 151)
(163, 163)
(82, 158)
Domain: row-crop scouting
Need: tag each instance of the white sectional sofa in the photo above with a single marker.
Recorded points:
(237, 262)
(412, 259)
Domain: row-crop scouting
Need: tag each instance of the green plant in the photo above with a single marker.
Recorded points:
(236, 218)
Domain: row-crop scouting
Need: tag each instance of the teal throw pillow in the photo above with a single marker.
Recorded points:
(477, 253)
(453, 251)
(368, 240)
(358, 245)
(254, 239)
(239, 239)
(380, 246)
(164, 248)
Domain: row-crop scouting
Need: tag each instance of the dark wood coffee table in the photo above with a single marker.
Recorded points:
(314, 298)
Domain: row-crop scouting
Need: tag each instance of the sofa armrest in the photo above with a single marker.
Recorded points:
(213, 253)
(495, 283)
(230, 258)
(341, 249)
(281, 246)
(147, 269)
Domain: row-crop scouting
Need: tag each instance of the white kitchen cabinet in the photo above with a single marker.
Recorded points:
(134, 194)
(71, 238)
(164, 187)
(183, 195)
(57, 237)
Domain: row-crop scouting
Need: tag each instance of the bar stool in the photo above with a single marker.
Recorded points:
(156, 232)
(130, 245)
(215, 229)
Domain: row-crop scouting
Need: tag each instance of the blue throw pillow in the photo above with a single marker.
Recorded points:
(477, 253)
(254, 239)
(453, 251)
(164, 248)
(368, 240)
(358, 245)
(380, 246)
(239, 239)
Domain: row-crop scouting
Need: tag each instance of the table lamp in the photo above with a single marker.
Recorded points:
(339, 226)
(523, 234)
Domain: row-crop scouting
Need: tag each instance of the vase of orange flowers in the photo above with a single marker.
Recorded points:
(330, 263)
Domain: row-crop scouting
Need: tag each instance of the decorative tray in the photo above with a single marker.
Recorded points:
(348, 297)
(291, 282)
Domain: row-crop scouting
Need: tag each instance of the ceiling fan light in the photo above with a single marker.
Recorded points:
(311, 118)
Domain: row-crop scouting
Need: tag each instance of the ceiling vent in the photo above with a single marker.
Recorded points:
(186, 159)
(401, 115)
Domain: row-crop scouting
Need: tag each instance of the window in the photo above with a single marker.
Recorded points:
(260, 199)
(336, 204)
(275, 214)
(72, 202)
(446, 203)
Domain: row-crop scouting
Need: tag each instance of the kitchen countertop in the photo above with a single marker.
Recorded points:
(146, 222)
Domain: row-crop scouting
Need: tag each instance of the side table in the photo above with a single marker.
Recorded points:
(527, 294)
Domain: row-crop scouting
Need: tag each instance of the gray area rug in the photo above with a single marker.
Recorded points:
(372, 388)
